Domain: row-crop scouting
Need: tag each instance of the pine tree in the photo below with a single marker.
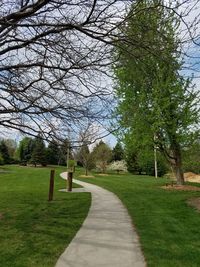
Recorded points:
(39, 152)
(118, 152)
(53, 153)
(4, 152)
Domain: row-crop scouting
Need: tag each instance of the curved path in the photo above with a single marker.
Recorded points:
(107, 237)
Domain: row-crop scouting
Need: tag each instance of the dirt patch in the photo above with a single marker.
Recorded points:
(86, 176)
(1, 216)
(194, 202)
(103, 174)
(181, 187)
(192, 177)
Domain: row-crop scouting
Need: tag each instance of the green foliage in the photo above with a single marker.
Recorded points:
(1, 160)
(25, 150)
(102, 155)
(141, 161)
(71, 164)
(118, 152)
(38, 155)
(52, 153)
(154, 98)
(4, 152)
(191, 158)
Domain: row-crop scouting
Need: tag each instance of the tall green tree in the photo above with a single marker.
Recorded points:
(156, 104)
(52, 153)
(4, 152)
(39, 152)
(25, 149)
(118, 152)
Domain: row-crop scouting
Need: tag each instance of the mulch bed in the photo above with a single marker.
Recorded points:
(181, 187)
(86, 176)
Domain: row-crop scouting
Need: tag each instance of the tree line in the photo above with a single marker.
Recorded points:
(34, 151)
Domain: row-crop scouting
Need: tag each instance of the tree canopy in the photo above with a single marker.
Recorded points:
(157, 105)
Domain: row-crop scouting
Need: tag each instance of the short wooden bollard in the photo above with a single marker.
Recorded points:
(70, 178)
(51, 185)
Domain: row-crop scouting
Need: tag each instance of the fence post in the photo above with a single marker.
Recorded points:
(70, 178)
(51, 185)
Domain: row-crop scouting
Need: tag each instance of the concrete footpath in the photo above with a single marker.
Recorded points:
(107, 237)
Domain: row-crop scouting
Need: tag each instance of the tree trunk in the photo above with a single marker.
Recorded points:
(86, 171)
(177, 163)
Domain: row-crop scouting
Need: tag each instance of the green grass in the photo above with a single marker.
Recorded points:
(33, 231)
(168, 228)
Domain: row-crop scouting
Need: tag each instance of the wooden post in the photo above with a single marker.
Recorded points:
(51, 185)
(155, 158)
(70, 178)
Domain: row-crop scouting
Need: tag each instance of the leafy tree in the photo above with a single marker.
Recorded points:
(52, 153)
(102, 155)
(146, 163)
(156, 104)
(118, 152)
(39, 152)
(4, 152)
(140, 160)
(191, 158)
(25, 149)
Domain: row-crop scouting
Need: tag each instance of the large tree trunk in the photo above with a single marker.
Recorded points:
(177, 163)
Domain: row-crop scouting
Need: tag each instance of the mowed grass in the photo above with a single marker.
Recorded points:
(33, 231)
(168, 228)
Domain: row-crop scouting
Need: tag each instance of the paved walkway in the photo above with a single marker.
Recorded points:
(106, 238)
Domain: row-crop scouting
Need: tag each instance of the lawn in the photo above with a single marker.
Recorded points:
(168, 228)
(33, 231)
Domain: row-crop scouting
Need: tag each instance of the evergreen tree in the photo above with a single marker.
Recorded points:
(156, 104)
(52, 153)
(39, 152)
(118, 152)
(4, 152)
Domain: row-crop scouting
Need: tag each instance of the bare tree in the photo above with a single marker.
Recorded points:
(54, 56)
